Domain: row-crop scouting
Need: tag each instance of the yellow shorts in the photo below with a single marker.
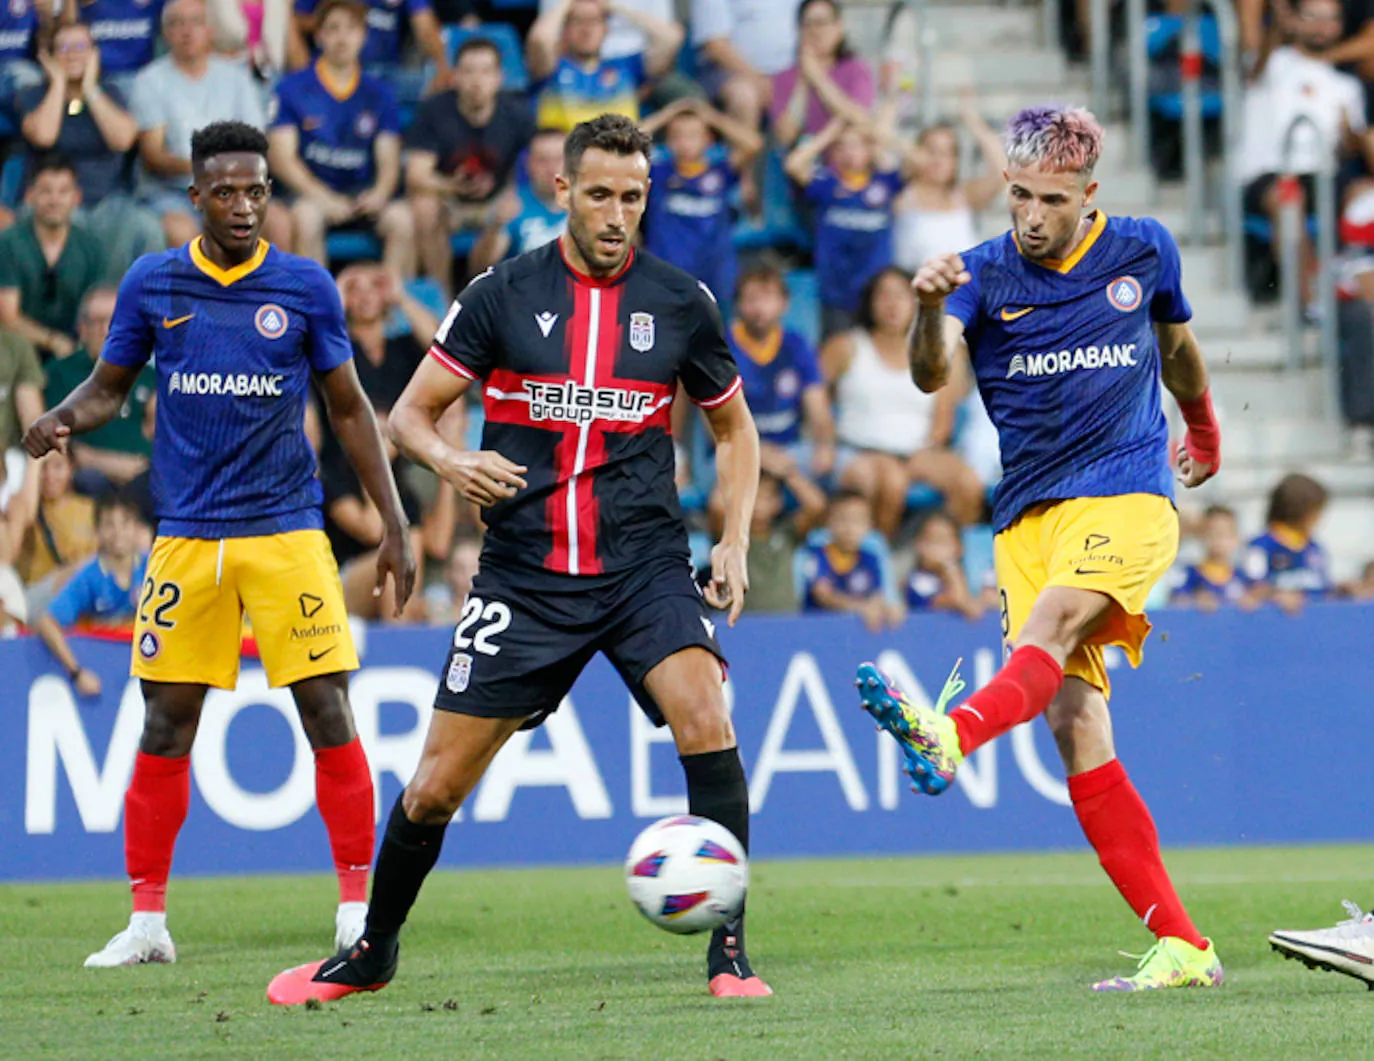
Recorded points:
(191, 609)
(1119, 546)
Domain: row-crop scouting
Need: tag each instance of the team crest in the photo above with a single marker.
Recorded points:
(270, 321)
(875, 195)
(365, 125)
(18, 8)
(459, 672)
(148, 645)
(787, 384)
(1124, 293)
(642, 332)
(711, 182)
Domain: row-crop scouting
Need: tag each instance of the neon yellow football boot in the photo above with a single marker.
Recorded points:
(1171, 962)
(928, 738)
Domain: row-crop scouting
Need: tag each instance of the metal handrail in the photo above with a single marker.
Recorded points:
(1139, 66)
(1100, 54)
(1291, 224)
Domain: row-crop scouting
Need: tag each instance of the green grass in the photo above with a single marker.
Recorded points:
(925, 957)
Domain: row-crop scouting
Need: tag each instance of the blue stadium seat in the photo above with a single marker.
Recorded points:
(1161, 34)
(352, 247)
(921, 497)
(505, 38)
(977, 555)
(12, 179)
(1259, 226)
(804, 308)
(779, 226)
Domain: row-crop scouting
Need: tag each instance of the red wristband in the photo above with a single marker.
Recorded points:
(1202, 441)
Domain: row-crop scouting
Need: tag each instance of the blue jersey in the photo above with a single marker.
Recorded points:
(576, 93)
(233, 350)
(125, 30)
(337, 125)
(860, 575)
(1223, 581)
(776, 371)
(537, 223)
(384, 29)
(1287, 561)
(923, 588)
(1067, 363)
(94, 595)
(853, 232)
(689, 222)
(18, 24)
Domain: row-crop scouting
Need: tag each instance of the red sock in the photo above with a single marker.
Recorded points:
(1022, 689)
(343, 789)
(1118, 825)
(154, 810)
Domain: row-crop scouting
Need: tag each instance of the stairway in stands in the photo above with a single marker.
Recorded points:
(1274, 420)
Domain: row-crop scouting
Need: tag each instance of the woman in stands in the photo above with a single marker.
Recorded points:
(828, 80)
(892, 436)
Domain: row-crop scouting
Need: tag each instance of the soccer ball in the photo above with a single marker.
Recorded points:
(687, 874)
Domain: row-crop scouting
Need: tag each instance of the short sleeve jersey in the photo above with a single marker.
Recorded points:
(126, 32)
(776, 371)
(234, 350)
(860, 575)
(537, 223)
(688, 219)
(1067, 362)
(579, 379)
(1277, 559)
(338, 128)
(923, 589)
(1225, 582)
(385, 30)
(95, 596)
(575, 93)
(18, 24)
(853, 231)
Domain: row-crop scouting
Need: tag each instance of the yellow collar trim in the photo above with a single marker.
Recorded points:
(1218, 574)
(841, 562)
(1064, 265)
(1288, 537)
(225, 277)
(856, 181)
(760, 351)
(340, 91)
(690, 170)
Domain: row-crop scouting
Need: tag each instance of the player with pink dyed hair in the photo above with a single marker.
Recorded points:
(1072, 321)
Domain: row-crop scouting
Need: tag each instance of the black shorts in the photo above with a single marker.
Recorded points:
(522, 640)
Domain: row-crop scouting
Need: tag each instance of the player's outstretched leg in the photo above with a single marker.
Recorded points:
(155, 808)
(927, 737)
(1347, 948)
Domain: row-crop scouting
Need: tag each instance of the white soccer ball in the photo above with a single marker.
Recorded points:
(687, 874)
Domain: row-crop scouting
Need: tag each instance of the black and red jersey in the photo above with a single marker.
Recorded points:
(579, 376)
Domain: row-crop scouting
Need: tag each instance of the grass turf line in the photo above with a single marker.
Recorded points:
(930, 957)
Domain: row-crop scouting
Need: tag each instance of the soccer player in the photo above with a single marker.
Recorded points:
(236, 330)
(1072, 320)
(581, 345)
(1348, 947)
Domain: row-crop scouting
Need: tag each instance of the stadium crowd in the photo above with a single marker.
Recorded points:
(414, 145)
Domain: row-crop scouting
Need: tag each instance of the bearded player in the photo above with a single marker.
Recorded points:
(1071, 320)
(580, 346)
(237, 330)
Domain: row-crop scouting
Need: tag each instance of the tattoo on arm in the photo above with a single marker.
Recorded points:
(928, 358)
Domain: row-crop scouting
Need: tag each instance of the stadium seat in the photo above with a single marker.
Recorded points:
(977, 555)
(1163, 35)
(352, 247)
(12, 179)
(505, 38)
(804, 308)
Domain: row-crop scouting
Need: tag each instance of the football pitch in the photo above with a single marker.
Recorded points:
(920, 957)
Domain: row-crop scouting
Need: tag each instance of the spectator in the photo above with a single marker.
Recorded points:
(624, 37)
(108, 457)
(1215, 581)
(174, 96)
(446, 599)
(381, 55)
(577, 82)
(1285, 563)
(529, 216)
(891, 435)
(853, 193)
(20, 25)
(62, 534)
(82, 116)
(371, 294)
(252, 32)
(689, 222)
(48, 263)
(782, 378)
(126, 32)
(743, 45)
(775, 534)
(1298, 82)
(21, 385)
(336, 145)
(828, 81)
(1362, 589)
(937, 582)
(16, 516)
(460, 152)
(103, 592)
(844, 574)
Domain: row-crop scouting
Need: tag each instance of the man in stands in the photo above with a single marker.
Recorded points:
(529, 216)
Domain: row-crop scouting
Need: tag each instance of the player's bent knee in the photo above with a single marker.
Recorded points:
(431, 802)
(706, 729)
(1061, 618)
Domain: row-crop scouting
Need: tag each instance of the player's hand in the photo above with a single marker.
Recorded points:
(86, 683)
(394, 558)
(729, 578)
(939, 278)
(49, 432)
(485, 477)
(1192, 472)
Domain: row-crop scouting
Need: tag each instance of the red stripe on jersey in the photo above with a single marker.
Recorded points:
(724, 396)
(560, 557)
(454, 366)
(593, 443)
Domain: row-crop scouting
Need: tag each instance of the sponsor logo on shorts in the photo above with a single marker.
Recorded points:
(642, 332)
(1124, 293)
(1094, 561)
(310, 605)
(573, 403)
(271, 321)
(314, 630)
(148, 645)
(1059, 362)
(459, 672)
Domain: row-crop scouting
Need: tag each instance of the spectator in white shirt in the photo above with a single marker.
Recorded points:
(742, 45)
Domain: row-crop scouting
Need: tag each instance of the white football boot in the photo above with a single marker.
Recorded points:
(1347, 948)
(145, 940)
(349, 923)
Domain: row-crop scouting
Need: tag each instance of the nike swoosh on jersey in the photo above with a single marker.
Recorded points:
(1015, 314)
(173, 323)
(320, 655)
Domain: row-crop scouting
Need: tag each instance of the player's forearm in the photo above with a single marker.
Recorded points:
(1182, 368)
(415, 431)
(90, 406)
(926, 352)
(737, 469)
